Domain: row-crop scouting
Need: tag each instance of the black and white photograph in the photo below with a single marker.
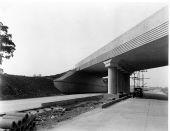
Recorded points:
(84, 65)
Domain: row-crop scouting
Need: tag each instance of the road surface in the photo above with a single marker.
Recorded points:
(130, 115)
(23, 104)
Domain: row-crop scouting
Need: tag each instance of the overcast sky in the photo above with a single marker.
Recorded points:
(52, 36)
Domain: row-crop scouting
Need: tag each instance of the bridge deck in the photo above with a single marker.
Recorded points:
(147, 33)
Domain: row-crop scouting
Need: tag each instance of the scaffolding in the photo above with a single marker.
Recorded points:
(139, 79)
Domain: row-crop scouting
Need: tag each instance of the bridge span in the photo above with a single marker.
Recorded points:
(144, 46)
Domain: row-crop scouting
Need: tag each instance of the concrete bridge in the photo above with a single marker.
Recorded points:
(144, 46)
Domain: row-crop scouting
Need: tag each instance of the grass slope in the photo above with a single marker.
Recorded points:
(17, 87)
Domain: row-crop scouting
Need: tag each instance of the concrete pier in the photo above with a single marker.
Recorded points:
(112, 77)
(118, 78)
(112, 82)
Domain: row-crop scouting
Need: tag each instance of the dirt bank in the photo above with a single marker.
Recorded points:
(19, 87)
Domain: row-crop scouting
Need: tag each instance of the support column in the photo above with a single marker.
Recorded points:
(112, 87)
(121, 82)
(127, 82)
(124, 83)
(112, 77)
(118, 79)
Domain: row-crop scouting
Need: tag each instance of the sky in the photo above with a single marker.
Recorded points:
(53, 36)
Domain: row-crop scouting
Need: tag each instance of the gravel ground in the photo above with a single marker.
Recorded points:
(47, 119)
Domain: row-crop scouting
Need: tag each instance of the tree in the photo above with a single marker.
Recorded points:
(7, 47)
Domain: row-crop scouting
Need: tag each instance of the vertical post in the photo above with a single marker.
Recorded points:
(127, 82)
(118, 81)
(142, 80)
(121, 82)
(112, 81)
(112, 77)
(134, 80)
(118, 84)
